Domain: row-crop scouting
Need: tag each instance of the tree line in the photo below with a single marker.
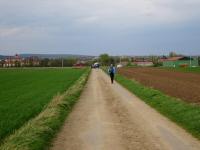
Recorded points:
(106, 60)
(57, 62)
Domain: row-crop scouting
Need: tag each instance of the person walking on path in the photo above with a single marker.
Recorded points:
(112, 72)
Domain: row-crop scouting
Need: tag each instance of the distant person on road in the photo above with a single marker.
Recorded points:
(112, 72)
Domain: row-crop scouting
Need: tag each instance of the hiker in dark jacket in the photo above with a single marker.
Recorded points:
(112, 72)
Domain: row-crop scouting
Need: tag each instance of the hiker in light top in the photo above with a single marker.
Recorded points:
(112, 72)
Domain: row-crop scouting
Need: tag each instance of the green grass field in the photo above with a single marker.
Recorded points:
(193, 70)
(25, 92)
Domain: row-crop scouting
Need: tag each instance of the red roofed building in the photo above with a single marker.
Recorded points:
(180, 61)
(17, 61)
(13, 61)
(80, 64)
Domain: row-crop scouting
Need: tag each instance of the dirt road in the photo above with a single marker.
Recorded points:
(108, 117)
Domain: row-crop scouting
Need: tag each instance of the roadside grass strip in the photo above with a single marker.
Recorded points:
(184, 114)
(37, 133)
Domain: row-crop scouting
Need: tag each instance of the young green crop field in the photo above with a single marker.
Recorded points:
(25, 92)
(188, 69)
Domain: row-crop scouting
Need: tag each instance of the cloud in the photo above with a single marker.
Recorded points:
(73, 24)
(133, 12)
(13, 31)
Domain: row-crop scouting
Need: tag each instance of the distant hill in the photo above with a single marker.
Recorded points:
(53, 56)
(2, 57)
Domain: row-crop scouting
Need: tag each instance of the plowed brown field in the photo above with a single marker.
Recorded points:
(185, 86)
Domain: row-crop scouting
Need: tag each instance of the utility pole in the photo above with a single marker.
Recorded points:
(62, 63)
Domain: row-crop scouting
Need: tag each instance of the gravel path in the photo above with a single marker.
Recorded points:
(108, 117)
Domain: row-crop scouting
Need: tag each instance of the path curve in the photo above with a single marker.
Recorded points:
(108, 117)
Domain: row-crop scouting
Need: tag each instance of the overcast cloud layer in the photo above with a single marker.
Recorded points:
(134, 27)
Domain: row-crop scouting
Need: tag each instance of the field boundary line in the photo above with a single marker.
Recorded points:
(37, 133)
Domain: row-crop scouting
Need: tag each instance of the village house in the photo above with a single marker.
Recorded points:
(80, 64)
(17, 61)
(12, 61)
(1, 62)
(180, 61)
(142, 61)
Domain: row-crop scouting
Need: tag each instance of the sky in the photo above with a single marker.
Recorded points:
(92, 27)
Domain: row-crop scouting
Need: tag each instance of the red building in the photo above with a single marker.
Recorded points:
(80, 64)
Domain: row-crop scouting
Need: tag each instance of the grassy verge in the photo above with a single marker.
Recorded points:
(184, 114)
(38, 132)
